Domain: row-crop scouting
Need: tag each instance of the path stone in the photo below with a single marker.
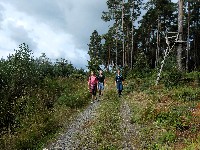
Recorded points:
(71, 139)
(128, 130)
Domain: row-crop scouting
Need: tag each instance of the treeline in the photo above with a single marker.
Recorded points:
(30, 88)
(133, 40)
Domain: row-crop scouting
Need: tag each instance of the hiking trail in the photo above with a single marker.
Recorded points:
(77, 135)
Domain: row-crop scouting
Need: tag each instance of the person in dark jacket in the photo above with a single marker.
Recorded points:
(101, 82)
(119, 82)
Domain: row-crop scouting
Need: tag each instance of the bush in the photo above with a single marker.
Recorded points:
(167, 137)
(75, 93)
(18, 75)
(29, 92)
(172, 78)
(177, 117)
(186, 94)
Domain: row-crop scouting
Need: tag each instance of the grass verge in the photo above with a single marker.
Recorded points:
(167, 118)
(105, 131)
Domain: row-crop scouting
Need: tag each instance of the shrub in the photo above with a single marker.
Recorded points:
(172, 78)
(167, 137)
(186, 94)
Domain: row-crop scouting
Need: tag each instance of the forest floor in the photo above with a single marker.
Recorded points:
(104, 124)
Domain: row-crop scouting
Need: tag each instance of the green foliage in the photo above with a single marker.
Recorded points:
(167, 137)
(140, 81)
(172, 78)
(33, 138)
(186, 94)
(108, 116)
(193, 77)
(164, 116)
(77, 99)
(141, 67)
(18, 75)
(30, 91)
(94, 51)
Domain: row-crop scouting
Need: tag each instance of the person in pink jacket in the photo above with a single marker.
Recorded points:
(92, 85)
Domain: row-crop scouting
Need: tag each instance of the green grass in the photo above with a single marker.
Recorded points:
(106, 130)
(164, 115)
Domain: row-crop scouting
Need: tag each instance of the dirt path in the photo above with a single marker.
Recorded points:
(78, 134)
(128, 130)
(79, 127)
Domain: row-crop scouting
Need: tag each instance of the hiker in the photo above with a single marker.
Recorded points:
(92, 85)
(119, 82)
(101, 82)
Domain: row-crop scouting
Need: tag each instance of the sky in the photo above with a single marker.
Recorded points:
(58, 28)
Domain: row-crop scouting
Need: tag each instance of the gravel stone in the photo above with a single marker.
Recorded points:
(71, 139)
(128, 129)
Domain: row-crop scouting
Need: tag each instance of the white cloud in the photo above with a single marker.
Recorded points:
(60, 29)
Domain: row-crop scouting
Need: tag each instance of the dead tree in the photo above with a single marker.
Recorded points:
(167, 51)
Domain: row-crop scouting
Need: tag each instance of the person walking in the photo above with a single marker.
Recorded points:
(92, 85)
(101, 82)
(119, 82)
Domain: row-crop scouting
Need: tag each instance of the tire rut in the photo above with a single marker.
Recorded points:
(79, 128)
(128, 129)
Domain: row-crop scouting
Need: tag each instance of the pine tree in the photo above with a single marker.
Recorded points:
(108, 52)
(95, 49)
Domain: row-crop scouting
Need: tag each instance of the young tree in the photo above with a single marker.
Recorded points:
(18, 75)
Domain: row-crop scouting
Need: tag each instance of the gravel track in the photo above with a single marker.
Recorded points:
(128, 129)
(78, 129)
(78, 133)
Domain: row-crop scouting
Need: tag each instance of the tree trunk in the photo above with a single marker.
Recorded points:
(188, 37)
(166, 53)
(180, 31)
(109, 57)
(116, 44)
(158, 43)
(123, 32)
(116, 55)
(127, 47)
(132, 44)
(132, 37)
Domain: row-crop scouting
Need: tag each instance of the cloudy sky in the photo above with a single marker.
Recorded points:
(58, 28)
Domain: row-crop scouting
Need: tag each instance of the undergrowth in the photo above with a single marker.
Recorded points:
(107, 130)
(45, 111)
(168, 114)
